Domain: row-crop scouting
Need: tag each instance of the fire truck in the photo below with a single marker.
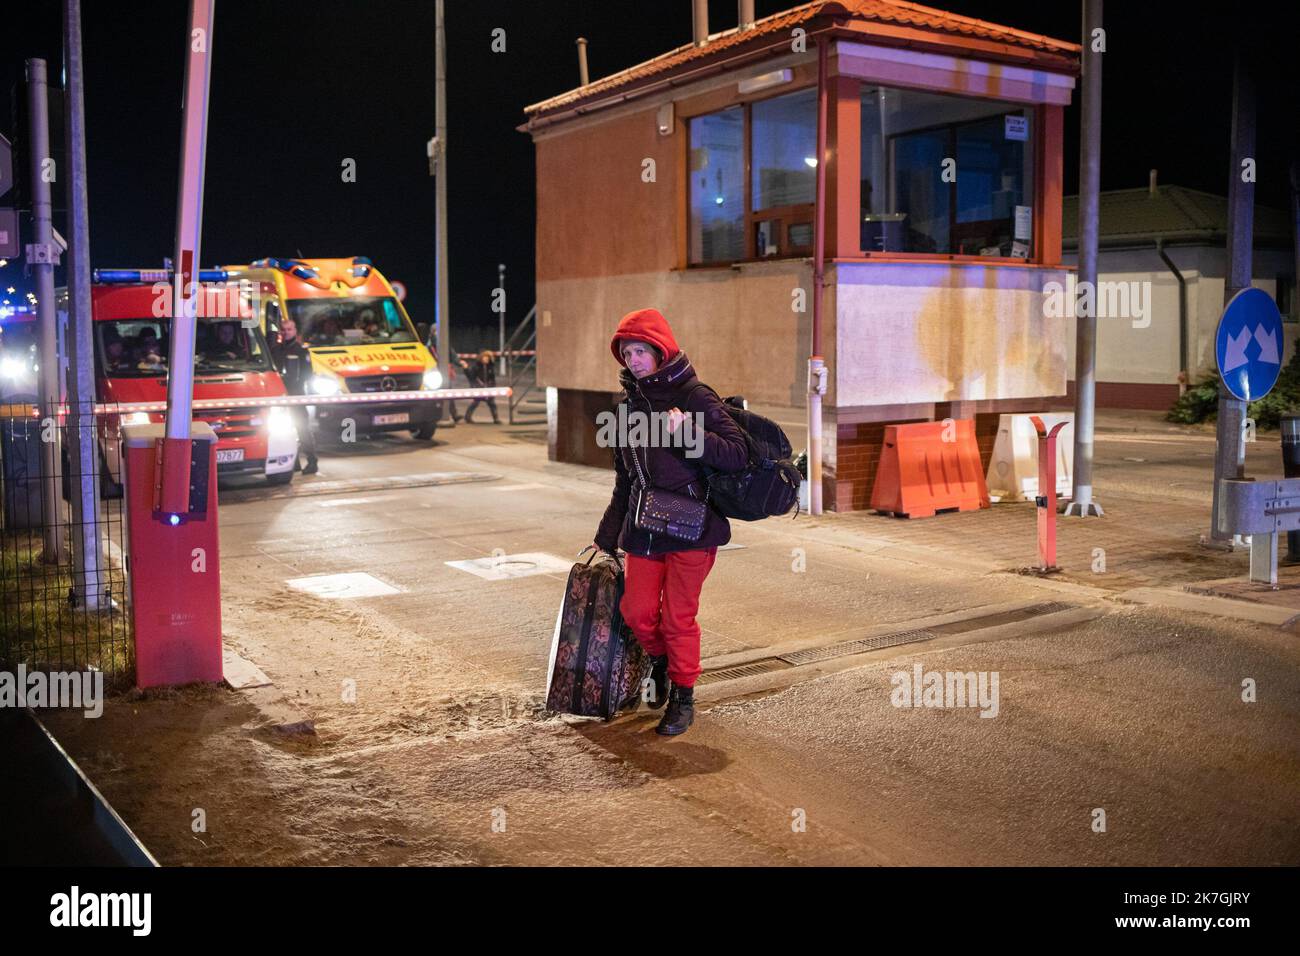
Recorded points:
(131, 312)
(360, 338)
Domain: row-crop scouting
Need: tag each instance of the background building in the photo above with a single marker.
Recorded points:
(1138, 361)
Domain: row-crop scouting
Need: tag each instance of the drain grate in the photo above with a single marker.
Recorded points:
(764, 665)
(813, 654)
(996, 620)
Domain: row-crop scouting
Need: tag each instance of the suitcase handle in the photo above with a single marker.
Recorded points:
(617, 560)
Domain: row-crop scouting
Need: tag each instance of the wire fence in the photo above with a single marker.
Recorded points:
(63, 574)
(64, 554)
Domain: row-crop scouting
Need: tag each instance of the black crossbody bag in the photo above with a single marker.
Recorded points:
(666, 512)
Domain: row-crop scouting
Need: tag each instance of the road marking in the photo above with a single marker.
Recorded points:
(352, 584)
(340, 502)
(503, 567)
(353, 485)
(531, 484)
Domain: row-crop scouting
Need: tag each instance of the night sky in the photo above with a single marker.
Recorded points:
(297, 88)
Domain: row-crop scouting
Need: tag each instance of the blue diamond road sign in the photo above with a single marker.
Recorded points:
(1248, 344)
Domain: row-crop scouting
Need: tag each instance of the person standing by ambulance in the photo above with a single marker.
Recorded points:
(663, 575)
(293, 361)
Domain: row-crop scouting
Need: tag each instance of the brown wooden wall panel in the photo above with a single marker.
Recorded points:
(595, 215)
(571, 435)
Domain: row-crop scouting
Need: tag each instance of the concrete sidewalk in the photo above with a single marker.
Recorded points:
(1154, 482)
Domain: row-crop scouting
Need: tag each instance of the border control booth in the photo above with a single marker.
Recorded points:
(687, 183)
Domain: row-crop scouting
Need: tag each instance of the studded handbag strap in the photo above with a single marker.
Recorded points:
(641, 474)
(637, 463)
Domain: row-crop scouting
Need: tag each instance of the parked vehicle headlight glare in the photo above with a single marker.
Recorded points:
(433, 379)
(320, 385)
(279, 423)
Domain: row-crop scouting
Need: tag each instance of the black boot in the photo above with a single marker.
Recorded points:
(311, 467)
(658, 682)
(680, 712)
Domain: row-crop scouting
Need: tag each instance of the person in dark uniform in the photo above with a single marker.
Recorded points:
(294, 364)
(482, 374)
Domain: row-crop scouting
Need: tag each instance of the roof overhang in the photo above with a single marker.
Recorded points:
(1039, 72)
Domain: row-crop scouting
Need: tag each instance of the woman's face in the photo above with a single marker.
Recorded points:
(639, 358)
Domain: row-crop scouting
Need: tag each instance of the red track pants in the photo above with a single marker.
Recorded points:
(661, 597)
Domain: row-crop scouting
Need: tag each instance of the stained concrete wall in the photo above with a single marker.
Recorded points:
(944, 332)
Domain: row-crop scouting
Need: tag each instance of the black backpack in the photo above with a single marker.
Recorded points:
(766, 487)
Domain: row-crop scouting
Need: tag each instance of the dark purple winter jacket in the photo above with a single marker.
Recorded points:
(725, 449)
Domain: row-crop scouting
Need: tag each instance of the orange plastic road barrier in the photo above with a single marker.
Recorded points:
(921, 473)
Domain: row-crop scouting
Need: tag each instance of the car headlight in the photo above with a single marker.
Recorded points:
(433, 379)
(136, 418)
(11, 367)
(279, 423)
(321, 385)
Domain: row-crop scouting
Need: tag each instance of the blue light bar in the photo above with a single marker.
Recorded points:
(294, 267)
(116, 276)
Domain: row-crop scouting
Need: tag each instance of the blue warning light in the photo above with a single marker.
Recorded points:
(174, 520)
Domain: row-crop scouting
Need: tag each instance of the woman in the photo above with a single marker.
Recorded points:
(482, 374)
(663, 574)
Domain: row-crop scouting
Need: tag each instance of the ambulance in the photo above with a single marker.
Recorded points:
(360, 338)
(131, 328)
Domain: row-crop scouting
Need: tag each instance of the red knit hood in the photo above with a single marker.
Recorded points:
(645, 325)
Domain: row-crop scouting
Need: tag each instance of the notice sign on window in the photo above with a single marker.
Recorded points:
(1017, 127)
(1024, 222)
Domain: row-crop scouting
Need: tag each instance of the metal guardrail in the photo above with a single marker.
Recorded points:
(54, 815)
(527, 331)
(1260, 509)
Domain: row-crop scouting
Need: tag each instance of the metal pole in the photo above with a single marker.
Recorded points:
(816, 364)
(41, 257)
(1230, 450)
(1085, 354)
(442, 310)
(185, 285)
(501, 320)
(1295, 236)
(87, 533)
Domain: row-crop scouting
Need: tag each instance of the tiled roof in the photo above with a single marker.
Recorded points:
(1133, 215)
(946, 29)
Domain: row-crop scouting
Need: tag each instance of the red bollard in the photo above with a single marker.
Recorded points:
(175, 569)
(1046, 498)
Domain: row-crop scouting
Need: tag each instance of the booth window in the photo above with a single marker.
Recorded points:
(772, 214)
(940, 175)
(946, 174)
(717, 176)
(783, 159)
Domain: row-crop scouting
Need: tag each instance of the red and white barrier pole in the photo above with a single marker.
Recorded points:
(1046, 498)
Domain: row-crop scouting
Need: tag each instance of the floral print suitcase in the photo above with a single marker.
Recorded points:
(597, 667)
